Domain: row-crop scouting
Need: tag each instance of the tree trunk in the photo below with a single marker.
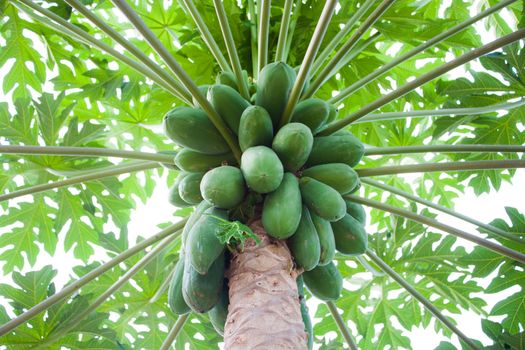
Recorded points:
(264, 311)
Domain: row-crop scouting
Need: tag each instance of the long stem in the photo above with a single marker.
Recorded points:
(73, 287)
(293, 24)
(283, 31)
(230, 47)
(440, 112)
(496, 44)
(174, 332)
(264, 28)
(134, 50)
(163, 287)
(420, 48)
(419, 297)
(507, 252)
(62, 25)
(328, 70)
(86, 151)
(172, 63)
(253, 38)
(304, 70)
(89, 176)
(77, 318)
(369, 267)
(323, 56)
(493, 230)
(373, 151)
(448, 166)
(206, 35)
(345, 332)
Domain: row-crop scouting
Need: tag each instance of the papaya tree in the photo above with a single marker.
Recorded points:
(280, 135)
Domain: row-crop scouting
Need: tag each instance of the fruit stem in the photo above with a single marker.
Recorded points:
(174, 332)
(206, 35)
(326, 72)
(447, 166)
(264, 27)
(253, 36)
(163, 287)
(419, 297)
(369, 267)
(172, 63)
(345, 332)
(313, 47)
(492, 230)
(73, 287)
(373, 151)
(283, 32)
(498, 248)
(86, 151)
(88, 176)
(445, 68)
(230, 47)
(418, 49)
(63, 26)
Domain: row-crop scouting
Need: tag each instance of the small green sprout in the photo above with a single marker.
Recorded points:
(234, 233)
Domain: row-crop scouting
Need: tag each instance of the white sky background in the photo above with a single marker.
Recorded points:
(484, 208)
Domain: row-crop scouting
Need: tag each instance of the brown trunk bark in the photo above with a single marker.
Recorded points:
(264, 311)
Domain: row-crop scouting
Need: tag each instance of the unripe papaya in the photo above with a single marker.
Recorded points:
(219, 312)
(202, 244)
(304, 244)
(196, 162)
(324, 282)
(173, 195)
(228, 103)
(350, 236)
(227, 78)
(341, 177)
(312, 112)
(202, 292)
(340, 148)
(194, 217)
(171, 165)
(282, 208)
(293, 144)
(322, 199)
(356, 188)
(307, 321)
(326, 239)
(204, 91)
(255, 128)
(332, 113)
(356, 210)
(191, 128)
(262, 169)
(273, 89)
(189, 188)
(175, 298)
(223, 187)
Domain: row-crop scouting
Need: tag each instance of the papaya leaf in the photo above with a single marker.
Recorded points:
(234, 233)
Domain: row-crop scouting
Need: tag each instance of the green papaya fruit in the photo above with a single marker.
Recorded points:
(322, 199)
(356, 210)
(326, 239)
(356, 188)
(350, 236)
(341, 177)
(262, 169)
(202, 245)
(228, 103)
(223, 187)
(173, 195)
(255, 128)
(194, 217)
(196, 162)
(227, 78)
(175, 299)
(219, 312)
(304, 244)
(171, 165)
(189, 188)
(312, 112)
(273, 89)
(293, 143)
(282, 208)
(340, 148)
(324, 282)
(191, 128)
(332, 113)
(204, 91)
(308, 327)
(202, 292)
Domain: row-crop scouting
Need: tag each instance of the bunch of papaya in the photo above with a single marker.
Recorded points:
(299, 177)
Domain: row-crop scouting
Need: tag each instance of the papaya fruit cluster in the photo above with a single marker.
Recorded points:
(296, 177)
